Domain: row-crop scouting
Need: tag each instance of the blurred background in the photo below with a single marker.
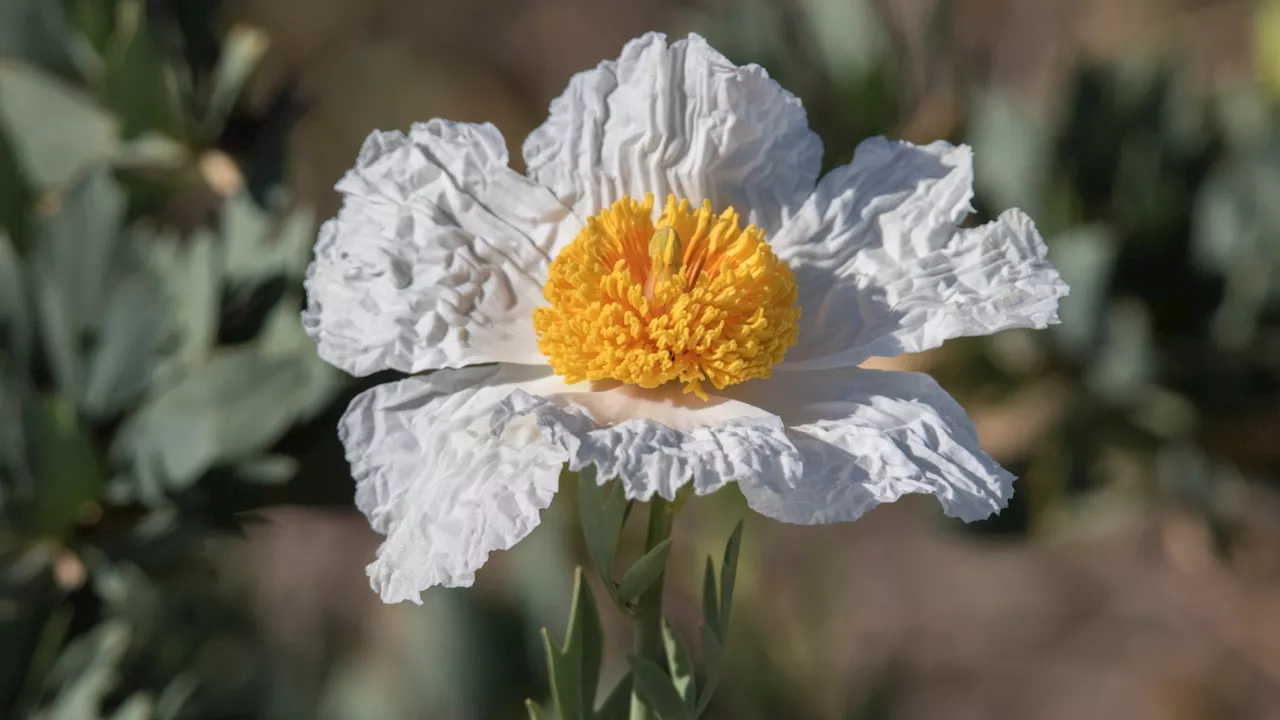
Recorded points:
(177, 537)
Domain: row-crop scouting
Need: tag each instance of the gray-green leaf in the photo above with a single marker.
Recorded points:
(601, 521)
(79, 247)
(575, 668)
(121, 363)
(712, 663)
(656, 689)
(710, 597)
(681, 665)
(67, 471)
(535, 710)
(268, 470)
(618, 704)
(55, 130)
(15, 322)
(645, 572)
(237, 404)
(36, 31)
(728, 575)
(242, 49)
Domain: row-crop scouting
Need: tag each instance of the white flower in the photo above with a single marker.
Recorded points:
(441, 254)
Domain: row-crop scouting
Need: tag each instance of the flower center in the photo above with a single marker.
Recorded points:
(691, 298)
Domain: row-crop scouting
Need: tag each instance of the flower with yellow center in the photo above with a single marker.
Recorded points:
(630, 300)
(569, 319)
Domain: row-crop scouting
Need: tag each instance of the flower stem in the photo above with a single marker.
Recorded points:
(648, 612)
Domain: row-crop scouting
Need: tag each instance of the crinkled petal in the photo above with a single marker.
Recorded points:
(433, 477)
(437, 257)
(883, 268)
(868, 437)
(657, 441)
(456, 464)
(679, 119)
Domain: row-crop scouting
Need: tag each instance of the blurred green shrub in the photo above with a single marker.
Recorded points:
(146, 347)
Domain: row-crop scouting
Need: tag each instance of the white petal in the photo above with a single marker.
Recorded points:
(656, 441)
(433, 477)
(437, 257)
(456, 464)
(868, 437)
(883, 268)
(679, 119)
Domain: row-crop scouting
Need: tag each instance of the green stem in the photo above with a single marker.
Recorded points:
(648, 612)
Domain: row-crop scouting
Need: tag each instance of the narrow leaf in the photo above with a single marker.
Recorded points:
(67, 470)
(682, 673)
(79, 247)
(710, 598)
(584, 642)
(565, 686)
(655, 688)
(728, 575)
(136, 322)
(59, 336)
(535, 710)
(575, 668)
(15, 323)
(645, 572)
(618, 704)
(712, 662)
(140, 82)
(56, 131)
(241, 52)
(600, 536)
(267, 470)
(36, 31)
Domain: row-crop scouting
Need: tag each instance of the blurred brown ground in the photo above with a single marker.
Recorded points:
(1124, 614)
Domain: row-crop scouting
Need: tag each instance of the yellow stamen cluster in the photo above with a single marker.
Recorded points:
(692, 297)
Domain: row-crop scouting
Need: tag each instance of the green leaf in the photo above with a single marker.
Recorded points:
(191, 273)
(678, 660)
(95, 19)
(230, 409)
(79, 247)
(618, 704)
(258, 247)
(15, 321)
(268, 470)
(535, 710)
(59, 336)
(75, 262)
(1011, 151)
(141, 87)
(67, 470)
(282, 336)
(139, 706)
(17, 200)
(848, 35)
(645, 572)
(242, 50)
(55, 131)
(601, 521)
(575, 668)
(710, 597)
(728, 575)
(1085, 257)
(656, 689)
(87, 671)
(14, 438)
(36, 31)
(121, 364)
(1125, 363)
(713, 664)
(151, 151)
